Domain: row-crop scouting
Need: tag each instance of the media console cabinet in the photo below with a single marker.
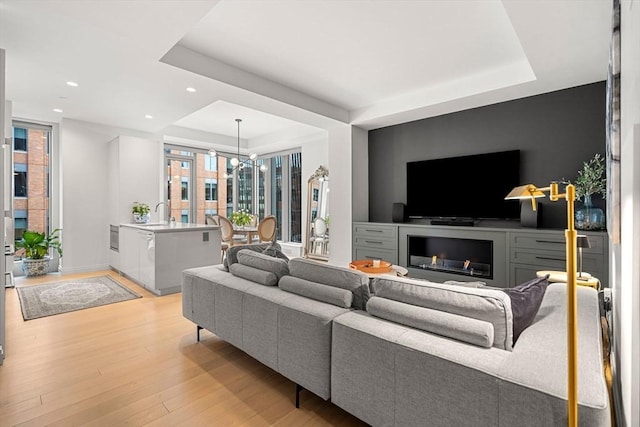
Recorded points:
(497, 256)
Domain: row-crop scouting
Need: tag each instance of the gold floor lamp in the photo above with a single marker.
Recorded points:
(530, 191)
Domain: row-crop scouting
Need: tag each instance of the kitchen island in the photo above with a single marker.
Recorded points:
(154, 254)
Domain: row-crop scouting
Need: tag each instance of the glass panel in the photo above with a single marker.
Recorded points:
(245, 188)
(178, 189)
(20, 181)
(185, 188)
(295, 174)
(210, 189)
(19, 139)
(262, 208)
(276, 192)
(210, 162)
(229, 187)
(31, 179)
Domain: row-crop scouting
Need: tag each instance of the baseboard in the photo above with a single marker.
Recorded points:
(89, 269)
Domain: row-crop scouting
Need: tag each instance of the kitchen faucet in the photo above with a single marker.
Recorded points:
(171, 219)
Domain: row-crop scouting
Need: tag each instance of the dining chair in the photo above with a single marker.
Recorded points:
(319, 238)
(226, 231)
(211, 220)
(267, 229)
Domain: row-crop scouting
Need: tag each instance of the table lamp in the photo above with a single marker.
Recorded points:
(532, 192)
(583, 243)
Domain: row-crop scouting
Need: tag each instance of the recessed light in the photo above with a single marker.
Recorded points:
(191, 89)
(148, 116)
(72, 84)
(57, 110)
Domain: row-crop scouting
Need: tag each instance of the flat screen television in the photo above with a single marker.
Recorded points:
(466, 187)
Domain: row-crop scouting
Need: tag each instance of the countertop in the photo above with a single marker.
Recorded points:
(165, 227)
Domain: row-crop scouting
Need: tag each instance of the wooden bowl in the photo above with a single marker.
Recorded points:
(366, 266)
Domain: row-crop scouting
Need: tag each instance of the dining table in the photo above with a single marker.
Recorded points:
(249, 231)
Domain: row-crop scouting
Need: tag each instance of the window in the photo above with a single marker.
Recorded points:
(20, 222)
(20, 139)
(295, 191)
(210, 162)
(204, 186)
(185, 189)
(20, 180)
(31, 177)
(211, 189)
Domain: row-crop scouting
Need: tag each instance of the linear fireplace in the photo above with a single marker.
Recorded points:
(468, 257)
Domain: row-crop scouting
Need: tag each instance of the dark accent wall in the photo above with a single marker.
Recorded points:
(555, 133)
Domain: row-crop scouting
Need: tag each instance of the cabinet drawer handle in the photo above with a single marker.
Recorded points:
(373, 241)
(373, 231)
(549, 258)
(550, 241)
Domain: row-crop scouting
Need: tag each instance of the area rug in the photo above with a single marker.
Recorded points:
(62, 297)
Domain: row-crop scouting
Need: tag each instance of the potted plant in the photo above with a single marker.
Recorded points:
(140, 212)
(36, 247)
(591, 180)
(240, 218)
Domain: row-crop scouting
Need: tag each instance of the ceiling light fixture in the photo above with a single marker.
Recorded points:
(148, 116)
(239, 164)
(57, 110)
(191, 89)
(72, 84)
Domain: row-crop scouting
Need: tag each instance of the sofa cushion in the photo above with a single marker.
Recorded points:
(526, 299)
(489, 305)
(461, 328)
(256, 275)
(317, 291)
(344, 278)
(264, 262)
(467, 284)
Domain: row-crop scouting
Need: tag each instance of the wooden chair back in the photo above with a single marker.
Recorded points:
(226, 229)
(267, 229)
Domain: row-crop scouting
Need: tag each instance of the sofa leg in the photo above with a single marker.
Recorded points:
(299, 388)
(198, 329)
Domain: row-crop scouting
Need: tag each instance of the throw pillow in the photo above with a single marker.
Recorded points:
(525, 303)
(232, 252)
(274, 250)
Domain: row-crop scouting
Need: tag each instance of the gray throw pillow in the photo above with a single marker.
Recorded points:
(260, 261)
(232, 252)
(525, 303)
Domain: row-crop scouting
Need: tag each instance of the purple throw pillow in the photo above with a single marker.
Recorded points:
(525, 303)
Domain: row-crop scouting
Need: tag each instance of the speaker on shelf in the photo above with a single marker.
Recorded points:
(528, 217)
(398, 213)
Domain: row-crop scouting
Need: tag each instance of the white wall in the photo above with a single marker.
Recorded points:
(87, 188)
(360, 174)
(625, 275)
(340, 196)
(83, 149)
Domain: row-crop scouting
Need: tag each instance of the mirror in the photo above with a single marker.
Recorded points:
(317, 241)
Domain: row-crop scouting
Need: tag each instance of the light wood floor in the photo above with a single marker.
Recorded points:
(138, 363)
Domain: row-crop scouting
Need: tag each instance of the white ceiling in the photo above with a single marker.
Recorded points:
(290, 68)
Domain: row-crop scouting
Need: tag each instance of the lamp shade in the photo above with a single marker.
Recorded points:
(582, 241)
(524, 192)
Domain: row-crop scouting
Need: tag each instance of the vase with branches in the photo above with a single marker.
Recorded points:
(591, 180)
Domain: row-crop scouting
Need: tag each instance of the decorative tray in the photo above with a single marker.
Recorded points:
(366, 266)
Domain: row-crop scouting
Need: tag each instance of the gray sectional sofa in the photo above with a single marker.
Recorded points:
(402, 352)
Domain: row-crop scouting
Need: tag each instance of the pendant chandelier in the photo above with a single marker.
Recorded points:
(239, 164)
